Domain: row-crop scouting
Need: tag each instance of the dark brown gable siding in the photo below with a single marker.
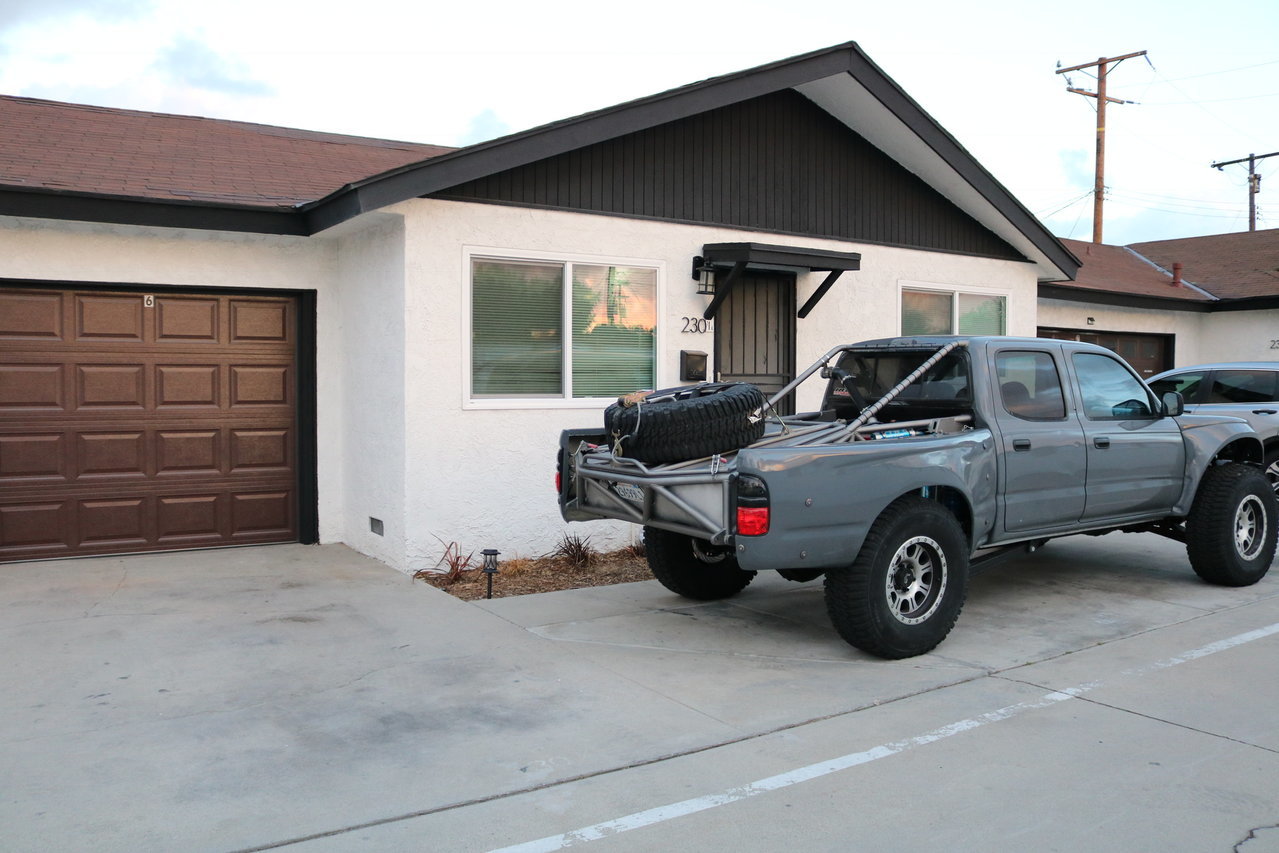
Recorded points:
(775, 163)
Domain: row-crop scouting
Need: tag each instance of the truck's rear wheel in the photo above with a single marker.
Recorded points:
(691, 568)
(902, 595)
(1230, 532)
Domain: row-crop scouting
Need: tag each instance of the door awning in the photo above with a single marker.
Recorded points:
(743, 256)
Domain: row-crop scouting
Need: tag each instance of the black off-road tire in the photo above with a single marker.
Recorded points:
(688, 423)
(1230, 532)
(903, 593)
(687, 567)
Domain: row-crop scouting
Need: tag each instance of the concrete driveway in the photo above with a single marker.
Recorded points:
(1095, 696)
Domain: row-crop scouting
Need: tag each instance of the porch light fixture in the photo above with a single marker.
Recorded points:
(704, 275)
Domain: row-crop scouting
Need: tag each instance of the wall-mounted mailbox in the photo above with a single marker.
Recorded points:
(692, 366)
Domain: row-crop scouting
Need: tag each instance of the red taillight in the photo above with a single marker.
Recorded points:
(752, 520)
(558, 482)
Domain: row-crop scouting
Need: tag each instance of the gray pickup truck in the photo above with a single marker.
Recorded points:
(927, 457)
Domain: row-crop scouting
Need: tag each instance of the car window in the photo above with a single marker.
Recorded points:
(1029, 386)
(1110, 391)
(1242, 386)
(1185, 384)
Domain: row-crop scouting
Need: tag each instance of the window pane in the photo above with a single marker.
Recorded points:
(1242, 386)
(1110, 392)
(925, 313)
(981, 315)
(516, 329)
(614, 318)
(1029, 385)
(1186, 384)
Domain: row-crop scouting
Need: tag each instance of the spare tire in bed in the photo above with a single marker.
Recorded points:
(676, 424)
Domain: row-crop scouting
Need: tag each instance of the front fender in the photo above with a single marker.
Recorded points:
(1208, 438)
(824, 499)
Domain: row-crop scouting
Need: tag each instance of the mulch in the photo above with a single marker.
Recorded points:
(541, 574)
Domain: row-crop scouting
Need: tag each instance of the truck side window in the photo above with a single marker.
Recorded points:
(1110, 392)
(1029, 386)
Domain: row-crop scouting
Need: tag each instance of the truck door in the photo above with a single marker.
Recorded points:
(1136, 457)
(1043, 458)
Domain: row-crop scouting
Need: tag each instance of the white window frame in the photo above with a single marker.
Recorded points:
(489, 253)
(955, 291)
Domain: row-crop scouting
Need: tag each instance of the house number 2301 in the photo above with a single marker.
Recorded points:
(697, 325)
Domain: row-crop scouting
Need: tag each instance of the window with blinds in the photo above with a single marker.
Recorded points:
(561, 329)
(940, 312)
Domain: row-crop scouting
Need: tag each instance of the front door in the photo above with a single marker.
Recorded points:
(755, 334)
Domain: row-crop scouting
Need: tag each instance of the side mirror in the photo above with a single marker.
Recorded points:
(1174, 404)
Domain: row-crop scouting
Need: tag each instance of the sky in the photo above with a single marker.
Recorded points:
(457, 73)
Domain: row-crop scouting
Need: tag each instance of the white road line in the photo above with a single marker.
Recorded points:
(661, 814)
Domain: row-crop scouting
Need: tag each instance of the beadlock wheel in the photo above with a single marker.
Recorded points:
(916, 580)
(1250, 527)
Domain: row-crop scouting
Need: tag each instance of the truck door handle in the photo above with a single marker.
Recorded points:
(1264, 412)
(1020, 444)
(1101, 442)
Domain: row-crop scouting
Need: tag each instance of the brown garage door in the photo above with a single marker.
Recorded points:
(145, 421)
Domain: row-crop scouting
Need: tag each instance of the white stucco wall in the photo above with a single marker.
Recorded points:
(368, 329)
(1238, 336)
(483, 477)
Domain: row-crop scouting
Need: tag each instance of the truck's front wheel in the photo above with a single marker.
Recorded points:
(691, 568)
(902, 595)
(1230, 532)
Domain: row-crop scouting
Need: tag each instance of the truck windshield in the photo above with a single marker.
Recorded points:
(875, 373)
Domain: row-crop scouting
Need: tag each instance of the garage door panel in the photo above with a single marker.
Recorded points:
(189, 452)
(187, 385)
(260, 385)
(262, 321)
(38, 456)
(30, 316)
(135, 422)
(115, 455)
(185, 319)
(258, 514)
(106, 317)
(111, 386)
(36, 528)
(31, 387)
(191, 520)
(115, 522)
(258, 450)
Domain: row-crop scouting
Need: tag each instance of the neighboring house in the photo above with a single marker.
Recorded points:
(218, 333)
(1169, 303)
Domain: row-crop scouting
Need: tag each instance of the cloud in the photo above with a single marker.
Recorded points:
(14, 13)
(188, 61)
(484, 126)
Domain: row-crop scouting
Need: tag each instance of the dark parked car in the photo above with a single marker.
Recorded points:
(1244, 389)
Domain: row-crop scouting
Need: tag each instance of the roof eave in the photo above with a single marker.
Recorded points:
(40, 203)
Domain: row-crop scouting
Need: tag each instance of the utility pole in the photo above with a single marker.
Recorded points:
(1254, 182)
(1099, 180)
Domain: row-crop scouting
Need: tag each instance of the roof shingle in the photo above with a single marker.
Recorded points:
(49, 145)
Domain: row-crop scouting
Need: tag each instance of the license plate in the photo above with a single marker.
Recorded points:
(630, 492)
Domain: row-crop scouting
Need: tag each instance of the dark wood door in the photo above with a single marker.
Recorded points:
(755, 334)
(143, 422)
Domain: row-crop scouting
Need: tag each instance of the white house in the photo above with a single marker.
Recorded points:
(216, 333)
